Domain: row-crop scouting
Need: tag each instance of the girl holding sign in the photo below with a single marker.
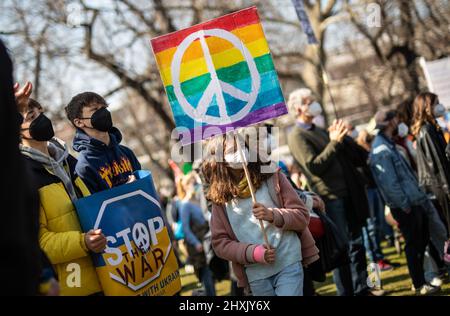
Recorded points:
(268, 270)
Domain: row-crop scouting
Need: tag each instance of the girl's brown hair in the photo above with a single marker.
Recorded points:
(423, 111)
(222, 187)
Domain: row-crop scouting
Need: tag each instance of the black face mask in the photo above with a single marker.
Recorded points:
(101, 120)
(41, 129)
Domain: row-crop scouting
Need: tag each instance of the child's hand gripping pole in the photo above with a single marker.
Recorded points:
(250, 185)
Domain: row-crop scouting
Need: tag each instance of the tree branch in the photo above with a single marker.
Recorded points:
(107, 62)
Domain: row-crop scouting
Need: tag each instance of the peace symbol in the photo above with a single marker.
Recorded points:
(141, 237)
(216, 87)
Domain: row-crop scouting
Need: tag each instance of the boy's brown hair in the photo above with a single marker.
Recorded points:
(75, 107)
(33, 104)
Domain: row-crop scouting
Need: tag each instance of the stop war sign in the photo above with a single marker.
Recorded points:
(138, 259)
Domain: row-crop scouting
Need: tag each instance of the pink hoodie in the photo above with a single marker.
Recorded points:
(292, 214)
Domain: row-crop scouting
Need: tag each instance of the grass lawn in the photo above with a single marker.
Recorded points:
(396, 282)
(189, 282)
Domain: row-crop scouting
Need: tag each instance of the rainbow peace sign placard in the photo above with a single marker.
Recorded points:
(219, 75)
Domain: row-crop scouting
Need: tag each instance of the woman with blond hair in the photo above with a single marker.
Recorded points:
(195, 228)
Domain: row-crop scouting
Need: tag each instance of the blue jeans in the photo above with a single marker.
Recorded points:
(350, 279)
(437, 229)
(382, 228)
(288, 282)
(372, 231)
(429, 266)
(208, 282)
(433, 263)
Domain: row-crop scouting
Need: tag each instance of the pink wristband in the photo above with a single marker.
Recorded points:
(258, 254)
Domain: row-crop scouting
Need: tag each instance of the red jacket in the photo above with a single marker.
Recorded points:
(292, 214)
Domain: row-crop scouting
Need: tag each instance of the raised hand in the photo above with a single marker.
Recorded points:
(22, 96)
(337, 131)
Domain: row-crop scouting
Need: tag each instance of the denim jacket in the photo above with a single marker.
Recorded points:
(394, 177)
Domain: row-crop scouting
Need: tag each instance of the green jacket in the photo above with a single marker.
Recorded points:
(317, 158)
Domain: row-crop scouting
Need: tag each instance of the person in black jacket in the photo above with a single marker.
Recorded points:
(23, 264)
(433, 165)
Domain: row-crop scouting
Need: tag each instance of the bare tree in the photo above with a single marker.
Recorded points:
(404, 35)
(322, 14)
(112, 39)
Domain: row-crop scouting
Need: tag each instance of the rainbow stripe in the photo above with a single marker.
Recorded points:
(231, 67)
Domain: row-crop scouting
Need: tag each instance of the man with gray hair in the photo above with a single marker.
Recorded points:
(329, 161)
(305, 96)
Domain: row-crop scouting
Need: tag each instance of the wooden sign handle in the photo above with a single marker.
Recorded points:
(250, 185)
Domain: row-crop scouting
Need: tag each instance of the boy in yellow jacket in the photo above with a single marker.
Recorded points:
(60, 235)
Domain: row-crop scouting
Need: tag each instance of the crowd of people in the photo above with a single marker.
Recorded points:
(269, 232)
(387, 181)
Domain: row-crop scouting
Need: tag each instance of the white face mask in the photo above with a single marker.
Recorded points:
(314, 109)
(234, 159)
(439, 110)
(402, 130)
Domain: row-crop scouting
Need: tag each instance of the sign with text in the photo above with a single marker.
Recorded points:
(138, 258)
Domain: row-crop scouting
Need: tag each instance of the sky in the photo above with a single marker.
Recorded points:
(80, 74)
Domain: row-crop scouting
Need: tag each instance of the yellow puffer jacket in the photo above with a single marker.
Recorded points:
(60, 235)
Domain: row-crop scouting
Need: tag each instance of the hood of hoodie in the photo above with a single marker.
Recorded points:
(54, 163)
(58, 153)
(83, 141)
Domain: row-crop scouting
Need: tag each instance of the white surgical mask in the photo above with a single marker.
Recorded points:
(402, 130)
(234, 159)
(314, 109)
(439, 110)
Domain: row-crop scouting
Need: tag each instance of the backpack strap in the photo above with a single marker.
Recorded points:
(273, 185)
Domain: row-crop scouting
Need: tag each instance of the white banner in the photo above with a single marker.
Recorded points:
(437, 73)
